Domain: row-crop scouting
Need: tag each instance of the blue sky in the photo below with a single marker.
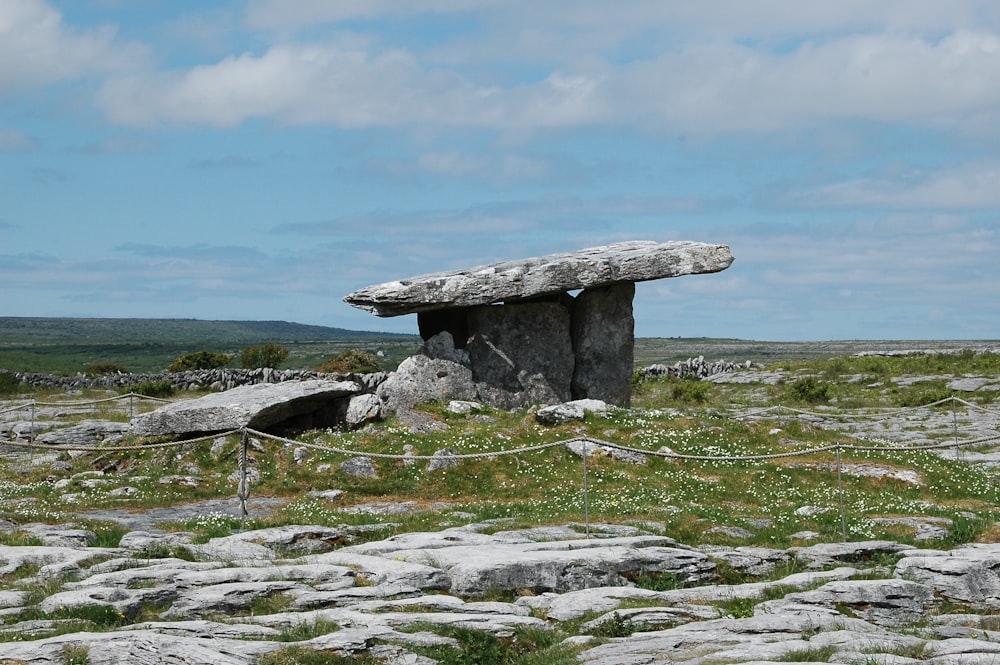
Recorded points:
(262, 159)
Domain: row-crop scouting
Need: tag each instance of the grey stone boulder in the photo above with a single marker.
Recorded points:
(362, 409)
(272, 543)
(420, 379)
(359, 467)
(384, 570)
(228, 599)
(127, 602)
(633, 261)
(968, 574)
(139, 647)
(261, 406)
(84, 433)
(823, 555)
(581, 447)
(565, 412)
(442, 459)
(892, 602)
(560, 566)
(759, 639)
(971, 384)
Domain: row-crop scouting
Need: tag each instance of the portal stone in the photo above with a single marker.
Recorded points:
(603, 342)
(521, 354)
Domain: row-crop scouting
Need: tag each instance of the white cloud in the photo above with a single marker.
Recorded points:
(968, 186)
(710, 88)
(38, 48)
(291, 14)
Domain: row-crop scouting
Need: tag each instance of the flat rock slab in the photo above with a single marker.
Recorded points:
(257, 406)
(511, 281)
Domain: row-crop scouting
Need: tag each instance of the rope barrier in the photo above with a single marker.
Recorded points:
(246, 431)
(111, 449)
(90, 402)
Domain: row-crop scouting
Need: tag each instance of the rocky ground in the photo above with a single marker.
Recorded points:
(159, 598)
(614, 594)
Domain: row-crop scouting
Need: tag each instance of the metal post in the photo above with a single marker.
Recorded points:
(954, 420)
(586, 491)
(840, 485)
(243, 490)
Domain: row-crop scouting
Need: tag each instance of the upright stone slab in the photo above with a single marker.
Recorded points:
(521, 354)
(603, 344)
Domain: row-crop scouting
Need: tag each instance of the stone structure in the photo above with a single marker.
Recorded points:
(510, 334)
(296, 405)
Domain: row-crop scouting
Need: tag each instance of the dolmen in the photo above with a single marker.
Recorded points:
(511, 335)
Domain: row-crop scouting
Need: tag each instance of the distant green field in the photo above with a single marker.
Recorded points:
(67, 346)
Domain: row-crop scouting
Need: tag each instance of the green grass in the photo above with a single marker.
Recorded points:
(544, 487)
(68, 346)
(682, 498)
(809, 655)
(528, 646)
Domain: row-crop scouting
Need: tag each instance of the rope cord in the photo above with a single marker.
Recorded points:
(890, 447)
(107, 449)
(89, 402)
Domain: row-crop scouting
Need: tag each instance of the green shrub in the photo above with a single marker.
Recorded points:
(154, 389)
(105, 368)
(810, 390)
(268, 355)
(616, 625)
(9, 384)
(351, 360)
(690, 391)
(199, 360)
(76, 654)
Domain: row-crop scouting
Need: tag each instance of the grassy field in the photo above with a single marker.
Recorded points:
(68, 346)
(689, 499)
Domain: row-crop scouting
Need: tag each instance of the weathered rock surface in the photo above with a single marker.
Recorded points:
(521, 354)
(512, 281)
(558, 414)
(424, 378)
(84, 433)
(228, 609)
(603, 344)
(262, 406)
(968, 574)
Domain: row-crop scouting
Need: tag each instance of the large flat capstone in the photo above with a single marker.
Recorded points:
(260, 406)
(512, 281)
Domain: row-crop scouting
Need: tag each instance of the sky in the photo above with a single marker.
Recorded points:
(261, 159)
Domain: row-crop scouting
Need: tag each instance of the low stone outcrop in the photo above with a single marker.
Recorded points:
(541, 345)
(300, 404)
(353, 600)
(968, 574)
(84, 433)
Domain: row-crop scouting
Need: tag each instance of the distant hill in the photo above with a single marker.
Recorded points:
(175, 330)
(70, 345)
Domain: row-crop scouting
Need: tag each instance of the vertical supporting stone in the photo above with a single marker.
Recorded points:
(603, 332)
(521, 353)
